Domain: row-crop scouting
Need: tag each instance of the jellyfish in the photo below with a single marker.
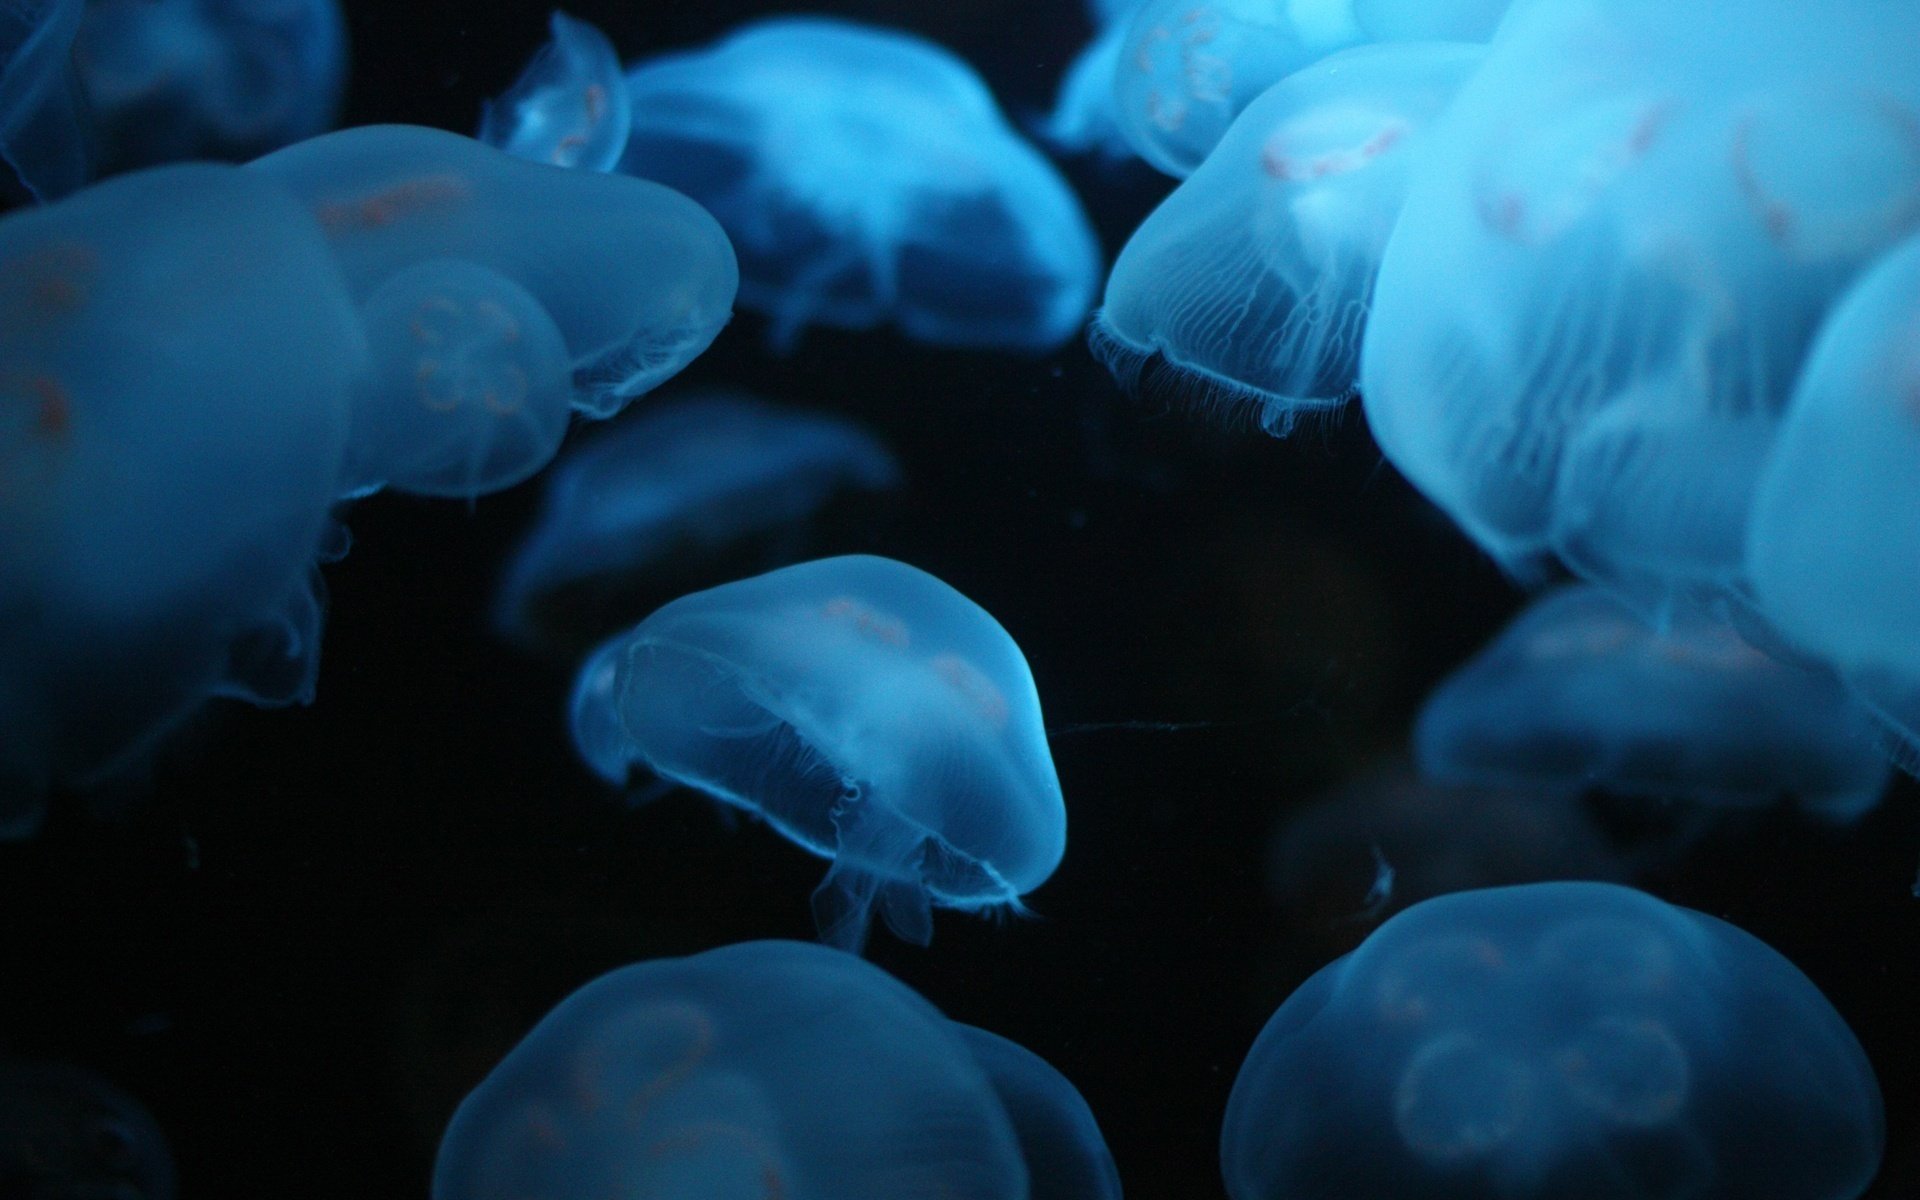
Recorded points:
(1429, 20)
(1252, 279)
(867, 177)
(1065, 1155)
(695, 476)
(754, 1070)
(569, 107)
(1835, 530)
(161, 517)
(868, 711)
(1083, 120)
(44, 135)
(230, 79)
(1579, 691)
(65, 1132)
(1554, 1040)
(1611, 262)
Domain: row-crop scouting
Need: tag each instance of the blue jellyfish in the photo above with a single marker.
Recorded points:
(1084, 120)
(867, 177)
(1060, 1142)
(1252, 279)
(44, 135)
(764, 1069)
(1609, 267)
(570, 106)
(1554, 1040)
(865, 709)
(696, 475)
(230, 79)
(1579, 691)
(1836, 515)
(67, 1133)
(161, 521)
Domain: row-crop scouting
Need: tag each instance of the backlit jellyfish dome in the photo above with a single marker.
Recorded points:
(1580, 691)
(1060, 1142)
(160, 520)
(42, 112)
(569, 107)
(1621, 240)
(866, 710)
(764, 1069)
(867, 177)
(229, 79)
(1554, 1040)
(1836, 518)
(694, 477)
(67, 1134)
(1251, 281)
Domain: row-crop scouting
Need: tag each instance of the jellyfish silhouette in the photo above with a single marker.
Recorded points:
(866, 710)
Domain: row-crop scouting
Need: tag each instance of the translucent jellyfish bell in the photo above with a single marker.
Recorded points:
(44, 132)
(569, 107)
(638, 279)
(1550, 1040)
(1252, 280)
(754, 1070)
(1579, 691)
(867, 711)
(867, 177)
(1066, 1156)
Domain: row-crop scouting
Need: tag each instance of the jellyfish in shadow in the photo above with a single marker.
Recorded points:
(66, 1134)
(866, 710)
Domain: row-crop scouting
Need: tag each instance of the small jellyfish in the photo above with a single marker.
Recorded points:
(44, 131)
(1836, 516)
(754, 1071)
(867, 177)
(470, 389)
(1553, 1040)
(230, 79)
(1252, 280)
(637, 278)
(691, 478)
(865, 709)
(1066, 1156)
(66, 1134)
(1579, 691)
(569, 107)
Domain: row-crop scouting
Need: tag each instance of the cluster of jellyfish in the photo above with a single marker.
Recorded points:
(1652, 324)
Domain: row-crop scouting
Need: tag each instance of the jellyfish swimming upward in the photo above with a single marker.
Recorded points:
(867, 711)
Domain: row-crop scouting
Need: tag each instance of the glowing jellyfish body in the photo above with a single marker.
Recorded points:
(229, 79)
(754, 1070)
(1612, 259)
(161, 518)
(570, 106)
(1579, 691)
(43, 130)
(1252, 280)
(637, 279)
(1553, 1040)
(1084, 120)
(696, 474)
(66, 1133)
(865, 709)
(1060, 1142)
(867, 177)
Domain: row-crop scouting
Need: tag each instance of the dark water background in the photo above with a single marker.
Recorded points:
(322, 926)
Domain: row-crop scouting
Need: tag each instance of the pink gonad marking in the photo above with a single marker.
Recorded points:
(403, 199)
(1287, 169)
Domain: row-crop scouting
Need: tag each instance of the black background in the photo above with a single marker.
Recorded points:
(323, 925)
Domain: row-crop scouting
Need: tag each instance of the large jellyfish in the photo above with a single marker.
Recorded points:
(570, 106)
(1613, 257)
(865, 709)
(1554, 1040)
(1252, 279)
(43, 120)
(176, 351)
(867, 177)
(66, 1134)
(764, 1069)
(496, 292)
(1579, 691)
(1066, 1156)
(695, 475)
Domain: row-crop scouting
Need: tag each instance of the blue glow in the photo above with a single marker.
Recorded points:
(42, 116)
(1579, 691)
(570, 107)
(1066, 1156)
(867, 177)
(1549, 1040)
(694, 474)
(1252, 280)
(866, 710)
